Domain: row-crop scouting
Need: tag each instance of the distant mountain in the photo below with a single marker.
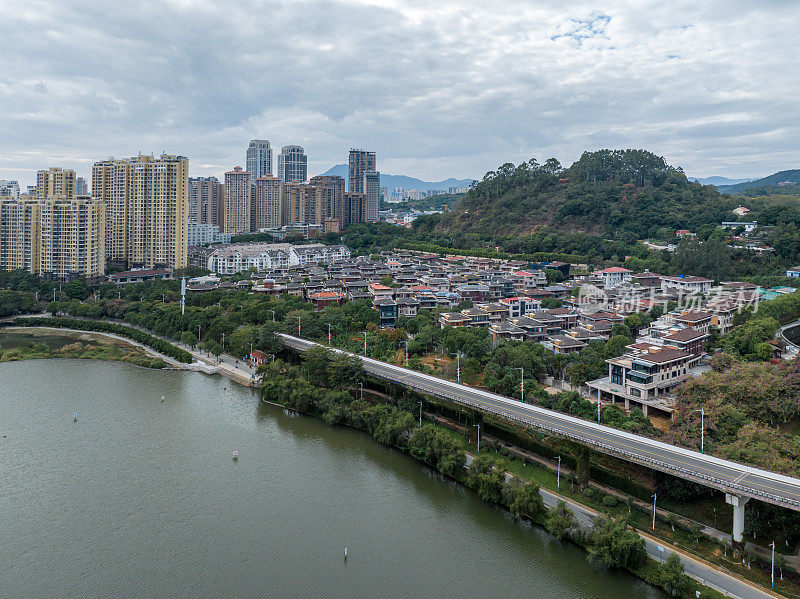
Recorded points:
(780, 182)
(717, 181)
(392, 181)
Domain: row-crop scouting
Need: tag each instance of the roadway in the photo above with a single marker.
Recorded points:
(729, 477)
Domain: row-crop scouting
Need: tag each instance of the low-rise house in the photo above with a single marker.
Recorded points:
(519, 306)
(686, 285)
(323, 299)
(478, 316)
(563, 344)
(567, 317)
(257, 357)
(378, 291)
(689, 340)
(407, 306)
(387, 309)
(700, 321)
(647, 279)
(473, 293)
(497, 312)
(506, 331)
(645, 379)
(140, 276)
(614, 276)
(454, 319)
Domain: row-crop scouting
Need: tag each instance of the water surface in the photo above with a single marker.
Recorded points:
(141, 498)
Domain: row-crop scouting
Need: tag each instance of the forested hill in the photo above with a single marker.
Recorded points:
(624, 194)
(783, 182)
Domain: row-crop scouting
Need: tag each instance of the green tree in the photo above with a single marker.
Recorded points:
(188, 338)
(527, 501)
(77, 289)
(559, 520)
(673, 579)
(613, 545)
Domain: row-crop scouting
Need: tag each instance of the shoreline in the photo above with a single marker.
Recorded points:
(92, 340)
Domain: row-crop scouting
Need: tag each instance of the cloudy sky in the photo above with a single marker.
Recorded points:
(438, 88)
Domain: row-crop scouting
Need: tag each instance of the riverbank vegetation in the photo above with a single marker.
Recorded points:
(155, 343)
(30, 350)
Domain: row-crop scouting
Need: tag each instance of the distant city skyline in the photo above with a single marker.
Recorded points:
(453, 91)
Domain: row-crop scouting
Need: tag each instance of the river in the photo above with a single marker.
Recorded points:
(140, 498)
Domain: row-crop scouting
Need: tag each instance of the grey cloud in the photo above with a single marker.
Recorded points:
(452, 88)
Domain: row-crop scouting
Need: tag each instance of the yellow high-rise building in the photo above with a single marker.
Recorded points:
(55, 183)
(238, 193)
(20, 233)
(266, 210)
(72, 238)
(147, 209)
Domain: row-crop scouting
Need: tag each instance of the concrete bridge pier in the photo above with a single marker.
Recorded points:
(738, 502)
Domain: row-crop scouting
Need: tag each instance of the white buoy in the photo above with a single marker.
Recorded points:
(345, 553)
(235, 454)
(75, 417)
(162, 399)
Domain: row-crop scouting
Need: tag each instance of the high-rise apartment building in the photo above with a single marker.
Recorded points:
(353, 208)
(81, 187)
(72, 238)
(20, 233)
(292, 164)
(55, 183)
(206, 201)
(9, 189)
(259, 158)
(372, 193)
(238, 193)
(266, 210)
(330, 199)
(55, 238)
(299, 203)
(147, 209)
(359, 162)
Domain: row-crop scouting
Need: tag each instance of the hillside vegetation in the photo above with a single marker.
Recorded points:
(782, 182)
(623, 194)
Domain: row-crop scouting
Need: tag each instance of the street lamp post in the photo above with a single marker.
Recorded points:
(702, 427)
(479, 437)
(329, 333)
(420, 414)
(223, 341)
(458, 365)
(273, 314)
(198, 333)
(654, 512)
(365, 344)
(521, 384)
(406, 353)
(772, 567)
(558, 474)
(298, 326)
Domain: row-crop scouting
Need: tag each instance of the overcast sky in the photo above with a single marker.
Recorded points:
(438, 88)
